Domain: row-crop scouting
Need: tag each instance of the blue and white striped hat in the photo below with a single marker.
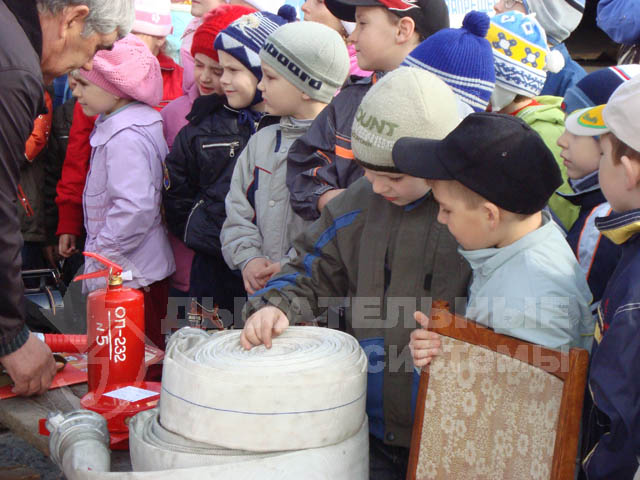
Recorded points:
(462, 58)
(244, 38)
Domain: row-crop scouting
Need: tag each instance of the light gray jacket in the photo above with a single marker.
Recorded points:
(533, 289)
(260, 221)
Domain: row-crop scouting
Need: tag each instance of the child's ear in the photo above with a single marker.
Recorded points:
(406, 27)
(631, 172)
(305, 97)
(492, 214)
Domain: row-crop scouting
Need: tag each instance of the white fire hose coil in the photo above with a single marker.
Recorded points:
(307, 391)
(153, 448)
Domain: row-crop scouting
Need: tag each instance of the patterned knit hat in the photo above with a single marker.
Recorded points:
(212, 24)
(462, 57)
(406, 102)
(153, 17)
(244, 38)
(521, 55)
(558, 17)
(597, 87)
(311, 56)
(128, 70)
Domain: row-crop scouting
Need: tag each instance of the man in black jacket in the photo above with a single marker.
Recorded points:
(39, 40)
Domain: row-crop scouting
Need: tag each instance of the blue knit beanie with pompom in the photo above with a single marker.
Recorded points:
(462, 58)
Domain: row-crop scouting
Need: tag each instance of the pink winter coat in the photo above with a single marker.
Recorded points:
(123, 195)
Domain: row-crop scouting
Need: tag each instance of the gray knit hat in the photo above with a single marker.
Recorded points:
(311, 56)
(406, 102)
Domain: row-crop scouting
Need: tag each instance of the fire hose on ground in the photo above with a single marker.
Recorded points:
(296, 410)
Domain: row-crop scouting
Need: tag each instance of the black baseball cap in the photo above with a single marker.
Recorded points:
(428, 15)
(499, 157)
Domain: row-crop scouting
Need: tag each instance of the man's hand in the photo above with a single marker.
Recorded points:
(67, 245)
(31, 367)
(253, 276)
(327, 196)
(264, 324)
(424, 345)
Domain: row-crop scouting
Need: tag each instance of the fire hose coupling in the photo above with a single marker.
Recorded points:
(74, 435)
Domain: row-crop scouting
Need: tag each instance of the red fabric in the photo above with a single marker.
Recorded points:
(74, 174)
(171, 80)
(213, 23)
(41, 130)
(533, 103)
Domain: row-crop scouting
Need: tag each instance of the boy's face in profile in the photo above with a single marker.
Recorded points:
(612, 177)
(279, 95)
(397, 188)
(373, 38)
(467, 225)
(581, 154)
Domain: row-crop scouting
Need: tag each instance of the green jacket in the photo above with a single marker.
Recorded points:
(388, 261)
(548, 120)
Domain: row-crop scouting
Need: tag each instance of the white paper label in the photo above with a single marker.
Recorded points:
(131, 394)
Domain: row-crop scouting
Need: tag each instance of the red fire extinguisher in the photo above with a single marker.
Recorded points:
(116, 350)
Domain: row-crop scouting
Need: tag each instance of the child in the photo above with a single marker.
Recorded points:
(317, 11)
(581, 152)
(198, 9)
(204, 154)
(522, 59)
(613, 425)
(463, 59)
(526, 281)
(379, 245)
(256, 236)
(207, 73)
(123, 191)
(558, 18)
(320, 163)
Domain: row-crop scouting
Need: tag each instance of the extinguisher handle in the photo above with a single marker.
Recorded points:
(112, 268)
(63, 343)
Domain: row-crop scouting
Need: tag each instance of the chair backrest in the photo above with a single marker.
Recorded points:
(497, 407)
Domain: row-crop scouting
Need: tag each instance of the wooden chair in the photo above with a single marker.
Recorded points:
(498, 407)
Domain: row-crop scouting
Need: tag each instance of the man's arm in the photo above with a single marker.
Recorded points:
(28, 360)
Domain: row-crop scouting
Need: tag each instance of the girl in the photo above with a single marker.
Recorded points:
(317, 11)
(122, 195)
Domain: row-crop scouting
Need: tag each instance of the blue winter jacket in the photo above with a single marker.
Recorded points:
(612, 429)
(558, 83)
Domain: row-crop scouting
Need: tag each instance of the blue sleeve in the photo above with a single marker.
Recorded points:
(620, 19)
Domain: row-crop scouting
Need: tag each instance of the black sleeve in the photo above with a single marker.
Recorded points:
(21, 100)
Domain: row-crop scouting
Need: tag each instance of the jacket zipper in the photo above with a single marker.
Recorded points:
(232, 147)
(186, 227)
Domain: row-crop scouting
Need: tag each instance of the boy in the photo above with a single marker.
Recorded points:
(303, 65)
(199, 167)
(612, 430)
(379, 245)
(581, 152)
(522, 59)
(526, 281)
(320, 163)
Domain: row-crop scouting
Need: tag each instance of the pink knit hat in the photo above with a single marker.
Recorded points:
(129, 70)
(153, 17)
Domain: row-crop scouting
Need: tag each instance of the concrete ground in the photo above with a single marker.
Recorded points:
(15, 451)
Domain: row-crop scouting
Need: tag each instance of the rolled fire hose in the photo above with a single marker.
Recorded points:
(308, 390)
(325, 372)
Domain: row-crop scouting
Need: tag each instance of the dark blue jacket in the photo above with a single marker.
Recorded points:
(558, 83)
(612, 429)
(597, 255)
(620, 19)
(197, 179)
(321, 159)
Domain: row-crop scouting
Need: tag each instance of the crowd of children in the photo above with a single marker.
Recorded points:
(370, 158)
